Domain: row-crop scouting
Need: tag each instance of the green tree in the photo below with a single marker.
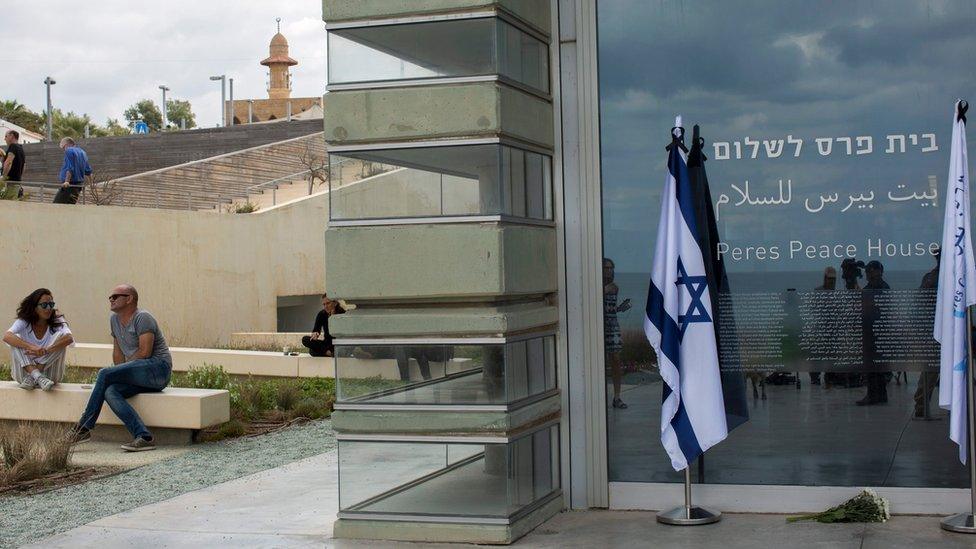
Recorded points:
(17, 113)
(114, 128)
(179, 109)
(69, 124)
(147, 111)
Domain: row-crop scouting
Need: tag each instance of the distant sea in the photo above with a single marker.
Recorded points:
(634, 286)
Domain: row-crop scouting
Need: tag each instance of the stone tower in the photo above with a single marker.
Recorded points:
(278, 62)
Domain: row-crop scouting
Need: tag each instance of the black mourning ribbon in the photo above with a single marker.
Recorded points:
(677, 138)
(963, 107)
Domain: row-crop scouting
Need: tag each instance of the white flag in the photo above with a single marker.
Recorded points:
(678, 323)
(957, 286)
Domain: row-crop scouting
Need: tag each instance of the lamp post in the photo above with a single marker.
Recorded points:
(48, 81)
(223, 97)
(231, 117)
(165, 113)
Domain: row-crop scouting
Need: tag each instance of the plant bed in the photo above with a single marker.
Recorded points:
(54, 481)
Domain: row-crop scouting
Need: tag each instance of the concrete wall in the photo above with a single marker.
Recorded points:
(203, 275)
(535, 12)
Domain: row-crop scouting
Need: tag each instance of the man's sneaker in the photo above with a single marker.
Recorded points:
(79, 435)
(139, 444)
(28, 383)
(45, 383)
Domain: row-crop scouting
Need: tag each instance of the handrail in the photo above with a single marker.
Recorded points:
(212, 158)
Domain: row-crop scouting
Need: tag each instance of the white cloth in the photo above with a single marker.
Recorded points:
(678, 324)
(24, 331)
(957, 289)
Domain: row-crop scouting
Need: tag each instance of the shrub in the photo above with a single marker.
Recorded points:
(31, 450)
(233, 428)
(287, 396)
(209, 376)
(245, 208)
(313, 408)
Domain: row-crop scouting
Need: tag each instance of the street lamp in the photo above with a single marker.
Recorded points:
(231, 101)
(165, 113)
(223, 97)
(48, 81)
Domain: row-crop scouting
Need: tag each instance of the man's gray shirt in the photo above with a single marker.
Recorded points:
(128, 337)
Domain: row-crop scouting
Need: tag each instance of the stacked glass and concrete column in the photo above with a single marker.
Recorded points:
(448, 405)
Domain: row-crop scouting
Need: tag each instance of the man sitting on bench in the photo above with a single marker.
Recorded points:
(142, 365)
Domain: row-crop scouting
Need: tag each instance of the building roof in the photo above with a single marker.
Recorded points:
(26, 136)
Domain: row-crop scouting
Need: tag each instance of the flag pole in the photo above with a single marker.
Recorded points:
(965, 523)
(688, 514)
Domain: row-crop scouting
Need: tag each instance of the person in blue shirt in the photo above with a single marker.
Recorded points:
(73, 172)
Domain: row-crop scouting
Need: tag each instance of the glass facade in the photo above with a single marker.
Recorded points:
(826, 132)
(440, 479)
(445, 374)
(442, 49)
(465, 180)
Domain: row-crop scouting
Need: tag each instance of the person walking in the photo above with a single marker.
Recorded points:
(37, 340)
(612, 340)
(142, 365)
(74, 170)
(13, 163)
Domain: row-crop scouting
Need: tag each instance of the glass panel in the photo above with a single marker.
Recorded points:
(827, 131)
(440, 479)
(445, 374)
(442, 49)
(440, 181)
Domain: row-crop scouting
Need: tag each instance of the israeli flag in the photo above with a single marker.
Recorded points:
(678, 323)
(957, 286)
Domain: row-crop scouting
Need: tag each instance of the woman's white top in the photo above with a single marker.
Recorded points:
(24, 331)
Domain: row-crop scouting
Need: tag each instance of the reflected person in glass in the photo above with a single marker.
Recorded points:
(612, 340)
(877, 382)
(928, 379)
(829, 283)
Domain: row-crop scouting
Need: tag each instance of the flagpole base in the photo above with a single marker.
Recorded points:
(963, 523)
(679, 516)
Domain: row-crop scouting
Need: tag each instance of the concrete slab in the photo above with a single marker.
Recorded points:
(441, 321)
(534, 12)
(295, 506)
(108, 454)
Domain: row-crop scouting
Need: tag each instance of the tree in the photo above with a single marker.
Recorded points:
(69, 124)
(114, 128)
(147, 111)
(178, 110)
(17, 113)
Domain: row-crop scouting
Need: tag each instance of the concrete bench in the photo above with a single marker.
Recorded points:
(173, 415)
(255, 363)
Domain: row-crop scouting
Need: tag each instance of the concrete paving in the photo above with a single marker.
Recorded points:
(295, 505)
(109, 454)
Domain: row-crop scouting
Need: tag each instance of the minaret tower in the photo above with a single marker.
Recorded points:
(278, 62)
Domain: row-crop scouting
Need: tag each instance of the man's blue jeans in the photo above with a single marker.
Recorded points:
(114, 385)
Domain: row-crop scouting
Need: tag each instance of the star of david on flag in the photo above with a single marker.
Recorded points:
(679, 323)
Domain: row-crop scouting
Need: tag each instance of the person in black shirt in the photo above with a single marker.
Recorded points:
(323, 346)
(877, 381)
(14, 161)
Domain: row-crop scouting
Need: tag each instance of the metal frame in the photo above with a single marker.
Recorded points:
(446, 439)
(453, 142)
(473, 519)
(498, 11)
(441, 81)
(461, 408)
(442, 220)
(499, 340)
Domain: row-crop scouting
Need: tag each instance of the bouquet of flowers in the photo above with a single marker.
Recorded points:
(867, 506)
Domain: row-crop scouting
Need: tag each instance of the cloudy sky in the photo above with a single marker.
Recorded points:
(107, 54)
(765, 71)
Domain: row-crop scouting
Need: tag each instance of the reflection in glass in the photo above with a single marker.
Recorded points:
(445, 374)
(804, 119)
(439, 479)
(458, 48)
(443, 181)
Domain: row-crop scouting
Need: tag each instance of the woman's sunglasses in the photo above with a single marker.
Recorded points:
(46, 305)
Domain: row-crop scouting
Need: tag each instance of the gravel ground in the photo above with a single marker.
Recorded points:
(28, 519)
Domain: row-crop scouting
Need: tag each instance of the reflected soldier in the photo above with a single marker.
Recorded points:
(877, 382)
(927, 380)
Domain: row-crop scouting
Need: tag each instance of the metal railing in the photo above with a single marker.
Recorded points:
(35, 191)
(209, 182)
(274, 184)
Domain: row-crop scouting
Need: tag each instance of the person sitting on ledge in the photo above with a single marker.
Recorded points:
(142, 365)
(37, 340)
(324, 346)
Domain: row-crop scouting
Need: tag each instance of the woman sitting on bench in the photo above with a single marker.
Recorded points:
(37, 341)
